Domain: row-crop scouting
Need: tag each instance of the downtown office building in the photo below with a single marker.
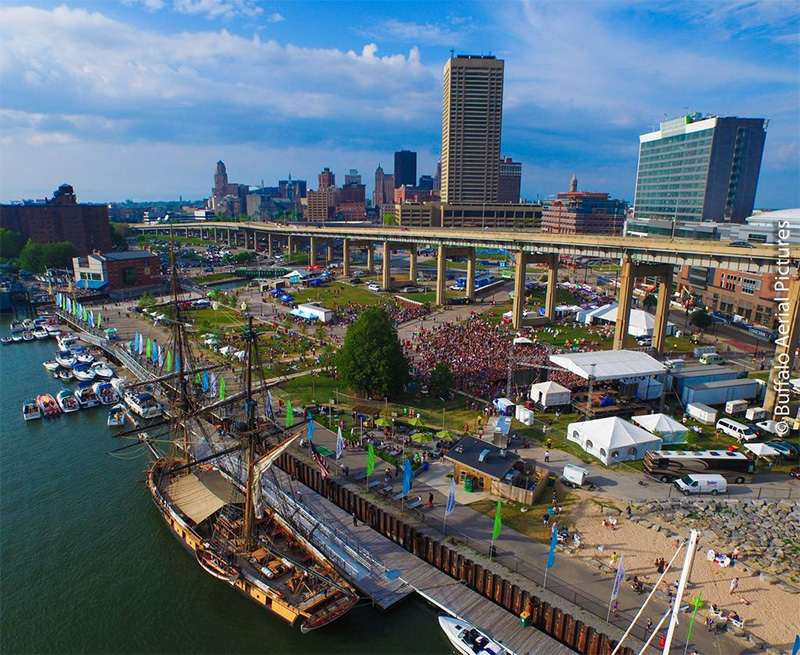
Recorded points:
(700, 169)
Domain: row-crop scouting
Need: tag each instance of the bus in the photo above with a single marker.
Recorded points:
(667, 465)
(762, 332)
(481, 281)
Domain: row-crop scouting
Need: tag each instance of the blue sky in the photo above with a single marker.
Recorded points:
(139, 98)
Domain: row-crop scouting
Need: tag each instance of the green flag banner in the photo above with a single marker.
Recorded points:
(197, 379)
(697, 602)
(99, 319)
(147, 349)
(498, 523)
(289, 414)
(370, 460)
(222, 388)
(169, 361)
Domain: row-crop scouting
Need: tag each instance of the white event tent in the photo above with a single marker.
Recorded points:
(661, 425)
(550, 394)
(612, 439)
(641, 323)
(609, 364)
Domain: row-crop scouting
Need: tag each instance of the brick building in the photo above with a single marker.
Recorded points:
(122, 274)
(60, 218)
(581, 212)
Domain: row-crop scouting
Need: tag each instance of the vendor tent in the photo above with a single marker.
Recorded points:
(641, 323)
(661, 425)
(609, 364)
(612, 439)
(226, 350)
(550, 394)
(761, 450)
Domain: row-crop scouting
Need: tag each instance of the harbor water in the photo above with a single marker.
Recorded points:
(88, 566)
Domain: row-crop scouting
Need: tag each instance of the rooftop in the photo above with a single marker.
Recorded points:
(468, 450)
(127, 255)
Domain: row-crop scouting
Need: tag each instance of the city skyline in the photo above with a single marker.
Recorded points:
(140, 99)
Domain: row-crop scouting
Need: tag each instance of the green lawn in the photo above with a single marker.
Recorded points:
(345, 293)
(215, 277)
(223, 317)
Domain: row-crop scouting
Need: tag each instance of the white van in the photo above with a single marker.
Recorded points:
(737, 430)
(711, 358)
(702, 483)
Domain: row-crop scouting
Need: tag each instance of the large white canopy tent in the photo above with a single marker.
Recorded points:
(550, 394)
(612, 439)
(761, 450)
(661, 425)
(609, 364)
(640, 324)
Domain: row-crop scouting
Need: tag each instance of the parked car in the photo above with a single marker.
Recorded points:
(785, 448)
(769, 426)
(373, 287)
(356, 280)
(410, 289)
(644, 342)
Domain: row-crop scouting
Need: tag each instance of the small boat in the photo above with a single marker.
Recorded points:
(27, 336)
(6, 340)
(30, 410)
(214, 565)
(119, 384)
(65, 359)
(16, 337)
(83, 373)
(86, 396)
(84, 358)
(28, 324)
(116, 417)
(48, 405)
(103, 370)
(51, 365)
(66, 401)
(17, 327)
(143, 404)
(467, 639)
(65, 341)
(40, 333)
(53, 330)
(65, 375)
(106, 393)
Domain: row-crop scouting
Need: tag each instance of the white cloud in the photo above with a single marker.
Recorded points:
(276, 18)
(218, 8)
(420, 33)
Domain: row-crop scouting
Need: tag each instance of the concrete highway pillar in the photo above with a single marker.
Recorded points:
(370, 258)
(626, 281)
(441, 276)
(519, 290)
(776, 401)
(662, 312)
(386, 270)
(329, 253)
(412, 263)
(229, 237)
(471, 273)
(269, 245)
(290, 245)
(552, 288)
(346, 257)
(312, 251)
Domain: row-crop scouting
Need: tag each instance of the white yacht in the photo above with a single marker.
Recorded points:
(40, 332)
(103, 370)
(65, 359)
(143, 404)
(467, 639)
(83, 373)
(108, 395)
(86, 396)
(51, 366)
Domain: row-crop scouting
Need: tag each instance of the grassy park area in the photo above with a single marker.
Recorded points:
(340, 293)
(215, 277)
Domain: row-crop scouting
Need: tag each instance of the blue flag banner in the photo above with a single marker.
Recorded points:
(407, 472)
(618, 579)
(310, 429)
(270, 408)
(451, 498)
(206, 382)
(796, 647)
(339, 443)
(551, 556)
(178, 363)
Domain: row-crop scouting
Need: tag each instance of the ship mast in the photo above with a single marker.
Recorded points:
(250, 406)
(182, 400)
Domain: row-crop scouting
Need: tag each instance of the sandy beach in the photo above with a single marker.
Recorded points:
(769, 612)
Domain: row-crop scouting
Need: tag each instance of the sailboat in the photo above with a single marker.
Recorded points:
(209, 491)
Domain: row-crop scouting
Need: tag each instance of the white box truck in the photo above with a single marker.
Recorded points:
(702, 483)
(702, 413)
(735, 407)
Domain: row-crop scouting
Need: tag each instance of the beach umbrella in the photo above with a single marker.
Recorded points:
(417, 422)
(444, 434)
(422, 437)
(383, 423)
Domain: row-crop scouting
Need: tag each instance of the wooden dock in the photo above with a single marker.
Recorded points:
(394, 573)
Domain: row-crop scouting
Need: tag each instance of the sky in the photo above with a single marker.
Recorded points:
(139, 98)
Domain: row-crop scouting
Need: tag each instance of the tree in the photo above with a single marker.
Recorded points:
(147, 300)
(244, 257)
(701, 319)
(11, 243)
(441, 380)
(119, 235)
(371, 359)
(31, 258)
(649, 302)
(59, 254)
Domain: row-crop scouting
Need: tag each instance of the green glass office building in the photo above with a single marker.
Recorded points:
(700, 169)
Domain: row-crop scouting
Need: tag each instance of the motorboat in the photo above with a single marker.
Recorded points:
(65, 375)
(6, 340)
(467, 639)
(39, 332)
(53, 330)
(103, 370)
(17, 327)
(82, 354)
(65, 341)
(86, 396)
(108, 395)
(27, 336)
(65, 359)
(16, 337)
(83, 373)
(119, 383)
(66, 401)
(143, 404)
(28, 324)
(116, 416)
(51, 365)
(48, 405)
(30, 410)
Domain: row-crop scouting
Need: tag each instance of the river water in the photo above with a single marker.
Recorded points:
(88, 566)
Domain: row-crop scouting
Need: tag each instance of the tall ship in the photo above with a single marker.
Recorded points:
(214, 488)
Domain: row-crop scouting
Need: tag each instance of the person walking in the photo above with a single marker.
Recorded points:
(733, 586)
(430, 500)
(546, 455)
(355, 520)
(648, 628)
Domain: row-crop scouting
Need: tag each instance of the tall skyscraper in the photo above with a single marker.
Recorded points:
(405, 168)
(378, 196)
(352, 177)
(510, 181)
(700, 169)
(220, 179)
(326, 179)
(472, 117)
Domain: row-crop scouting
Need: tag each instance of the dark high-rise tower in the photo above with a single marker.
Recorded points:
(220, 179)
(405, 168)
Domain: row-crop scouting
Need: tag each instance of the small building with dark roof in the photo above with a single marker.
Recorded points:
(482, 461)
(121, 274)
